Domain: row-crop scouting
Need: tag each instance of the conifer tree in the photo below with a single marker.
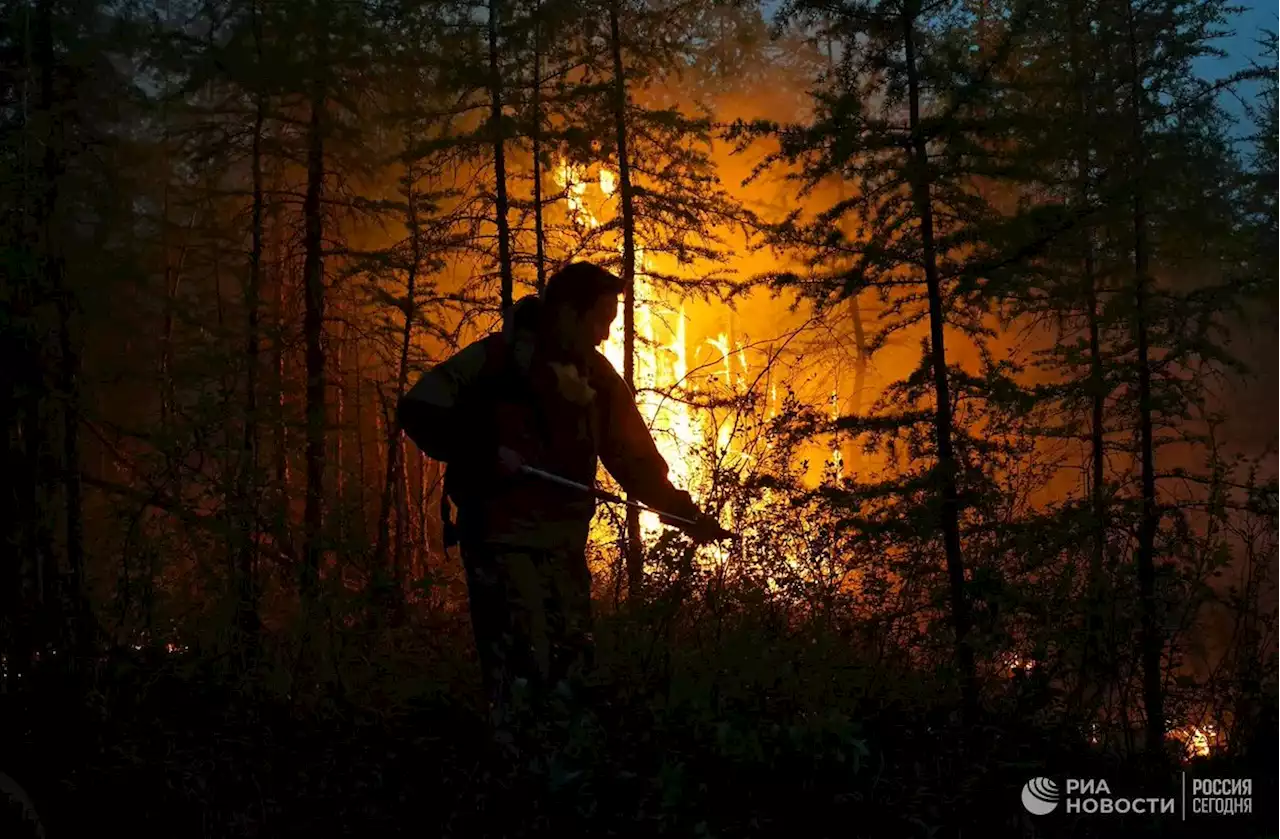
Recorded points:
(497, 131)
(65, 152)
(669, 200)
(1263, 171)
(1074, 74)
(899, 124)
(1170, 302)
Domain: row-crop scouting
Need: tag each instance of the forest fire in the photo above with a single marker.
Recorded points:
(1197, 740)
(663, 382)
(950, 319)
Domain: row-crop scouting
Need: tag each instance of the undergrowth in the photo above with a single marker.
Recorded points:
(760, 729)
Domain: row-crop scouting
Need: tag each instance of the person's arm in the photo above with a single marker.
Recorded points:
(431, 412)
(629, 453)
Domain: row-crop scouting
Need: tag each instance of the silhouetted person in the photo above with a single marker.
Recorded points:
(539, 394)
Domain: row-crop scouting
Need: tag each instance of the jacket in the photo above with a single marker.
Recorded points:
(565, 417)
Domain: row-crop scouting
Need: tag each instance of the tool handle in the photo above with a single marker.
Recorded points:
(608, 497)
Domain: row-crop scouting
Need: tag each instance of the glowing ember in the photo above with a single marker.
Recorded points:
(1197, 740)
(1199, 743)
(1017, 664)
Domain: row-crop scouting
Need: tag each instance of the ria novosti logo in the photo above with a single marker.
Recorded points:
(1093, 796)
(1040, 796)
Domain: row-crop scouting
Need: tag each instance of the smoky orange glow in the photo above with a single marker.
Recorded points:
(679, 360)
(954, 318)
(712, 372)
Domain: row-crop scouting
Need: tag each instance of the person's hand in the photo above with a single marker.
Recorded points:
(705, 529)
(509, 461)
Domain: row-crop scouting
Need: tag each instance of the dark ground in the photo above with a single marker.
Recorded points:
(162, 749)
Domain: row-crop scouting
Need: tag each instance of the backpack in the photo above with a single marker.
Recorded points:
(500, 365)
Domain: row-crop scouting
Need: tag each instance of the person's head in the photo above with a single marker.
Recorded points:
(581, 300)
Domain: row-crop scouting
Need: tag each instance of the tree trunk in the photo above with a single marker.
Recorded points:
(499, 159)
(170, 283)
(423, 543)
(280, 385)
(1082, 81)
(1152, 644)
(859, 330)
(395, 448)
(539, 236)
(860, 363)
(402, 535)
(947, 467)
(21, 384)
(361, 465)
(339, 519)
(167, 393)
(313, 332)
(247, 607)
(634, 544)
(53, 283)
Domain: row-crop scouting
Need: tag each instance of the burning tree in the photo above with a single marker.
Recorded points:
(667, 213)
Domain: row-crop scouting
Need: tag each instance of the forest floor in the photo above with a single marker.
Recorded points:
(161, 749)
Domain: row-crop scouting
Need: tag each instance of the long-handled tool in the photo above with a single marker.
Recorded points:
(601, 494)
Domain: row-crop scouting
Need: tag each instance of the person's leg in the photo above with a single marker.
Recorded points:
(526, 595)
(486, 594)
(572, 649)
(508, 613)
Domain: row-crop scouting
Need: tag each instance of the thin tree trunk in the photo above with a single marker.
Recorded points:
(247, 606)
(1152, 643)
(499, 158)
(74, 626)
(402, 535)
(19, 405)
(634, 545)
(1097, 385)
(860, 363)
(422, 512)
(395, 449)
(232, 512)
(360, 458)
(859, 330)
(947, 467)
(167, 394)
(281, 430)
(339, 411)
(170, 277)
(53, 269)
(538, 233)
(219, 299)
(313, 332)
(1097, 452)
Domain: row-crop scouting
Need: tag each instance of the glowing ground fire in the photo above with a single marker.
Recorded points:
(1197, 740)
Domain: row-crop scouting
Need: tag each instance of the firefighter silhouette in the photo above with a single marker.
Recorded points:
(538, 394)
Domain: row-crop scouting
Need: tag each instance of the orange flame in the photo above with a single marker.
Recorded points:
(661, 358)
(1197, 740)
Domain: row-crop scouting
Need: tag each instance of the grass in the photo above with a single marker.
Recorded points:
(754, 737)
